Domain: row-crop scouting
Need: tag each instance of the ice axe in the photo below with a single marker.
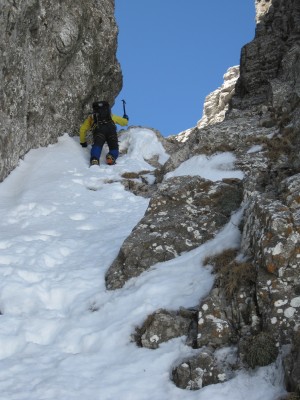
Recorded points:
(124, 109)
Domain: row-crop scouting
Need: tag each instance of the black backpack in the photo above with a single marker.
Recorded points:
(101, 112)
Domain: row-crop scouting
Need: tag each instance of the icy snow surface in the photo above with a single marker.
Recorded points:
(62, 334)
(214, 168)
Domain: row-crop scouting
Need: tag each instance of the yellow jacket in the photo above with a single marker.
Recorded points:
(88, 123)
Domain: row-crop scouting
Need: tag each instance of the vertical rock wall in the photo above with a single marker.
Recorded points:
(272, 56)
(55, 58)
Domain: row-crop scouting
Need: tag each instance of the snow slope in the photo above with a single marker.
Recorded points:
(62, 334)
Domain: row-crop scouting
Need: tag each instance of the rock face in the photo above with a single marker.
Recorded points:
(184, 213)
(269, 70)
(217, 103)
(197, 372)
(163, 326)
(56, 58)
(254, 305)
(261, 7)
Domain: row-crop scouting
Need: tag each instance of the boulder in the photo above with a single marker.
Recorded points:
(199, 371)
(183, 213)
(162, 326)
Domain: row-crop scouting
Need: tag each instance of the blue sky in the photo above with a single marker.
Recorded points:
(173, 53)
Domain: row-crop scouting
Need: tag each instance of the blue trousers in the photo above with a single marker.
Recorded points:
(105, 133)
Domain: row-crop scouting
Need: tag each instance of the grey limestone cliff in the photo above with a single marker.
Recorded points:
(55, 58)
(216, 104)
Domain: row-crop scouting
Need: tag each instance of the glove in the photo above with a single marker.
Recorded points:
(126, 117)
(84, 144)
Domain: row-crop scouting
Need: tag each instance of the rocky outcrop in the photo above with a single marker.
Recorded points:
(254, 305)
(259, 297)
(269, 68)
(216, 104)
(164, 325)
(184, 213)
(55, 59)
(199, 371)
(261, 8)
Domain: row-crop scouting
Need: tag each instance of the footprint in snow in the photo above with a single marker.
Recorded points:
(77, 217)
(94, 184)
(86, 227)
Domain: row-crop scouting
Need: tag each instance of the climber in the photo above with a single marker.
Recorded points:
(102, 123)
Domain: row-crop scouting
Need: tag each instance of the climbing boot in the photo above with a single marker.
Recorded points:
(110, 159)
(94, 161)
